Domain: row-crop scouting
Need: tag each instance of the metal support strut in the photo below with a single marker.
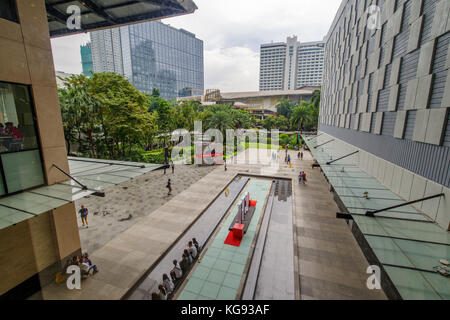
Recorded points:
(330, 162)
(372, 213)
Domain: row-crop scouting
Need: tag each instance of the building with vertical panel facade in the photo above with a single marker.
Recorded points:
(385, 101)
(151, 55)
(290, 65)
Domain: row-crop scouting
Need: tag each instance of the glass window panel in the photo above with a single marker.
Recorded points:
(23, 170)
(17, 130)
(8, 10)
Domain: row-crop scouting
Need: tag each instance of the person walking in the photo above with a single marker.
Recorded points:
(169, 186)
(173, 167)
(304, 177)
(165, 167)
(301, 155)
(84, 213)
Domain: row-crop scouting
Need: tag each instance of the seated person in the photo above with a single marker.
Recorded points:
(12, 131)
(197, 246)
(192, 250)
(187, 254)
(156, 296)
(162, 292)
(168, 284)
(86, 265)
(16, 137)
(176, 273)
(185, 262)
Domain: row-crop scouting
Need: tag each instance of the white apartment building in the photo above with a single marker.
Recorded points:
(290, 65)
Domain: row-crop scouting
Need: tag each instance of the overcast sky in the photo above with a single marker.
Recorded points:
(232, 31)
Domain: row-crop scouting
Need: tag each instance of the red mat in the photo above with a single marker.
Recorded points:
(232, 241)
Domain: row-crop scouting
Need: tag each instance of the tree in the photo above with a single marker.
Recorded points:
(221, 120)
(281, 123)
(284, 108)
(269, 123)
(300, 116)
(80, 111)
(316, 98)
(123, 114)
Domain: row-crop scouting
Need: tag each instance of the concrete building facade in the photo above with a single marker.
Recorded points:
(151, 55)
(259, 104)
(290, 65)
(387, 93)
(38, 231)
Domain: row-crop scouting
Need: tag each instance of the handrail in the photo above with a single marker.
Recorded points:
(84, 187)
(372, 213)
(316, 137)
(110, 163)
(324, 143)
(330, 162)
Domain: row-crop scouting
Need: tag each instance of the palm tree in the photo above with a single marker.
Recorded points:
(221, 120)
(300, 116)
(315, 99)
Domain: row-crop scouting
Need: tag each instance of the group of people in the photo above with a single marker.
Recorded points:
(287, 158)
(84, 263)
(168, 284)
(302, 177)
(300, 155)
(172, 165)
(13, 136)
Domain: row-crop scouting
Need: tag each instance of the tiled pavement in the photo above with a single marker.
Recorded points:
(330, 263)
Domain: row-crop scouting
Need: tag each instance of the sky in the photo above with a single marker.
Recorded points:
(232, 32)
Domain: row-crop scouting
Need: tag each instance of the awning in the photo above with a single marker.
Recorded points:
(98, 14)
(405, 241)
(95, 174)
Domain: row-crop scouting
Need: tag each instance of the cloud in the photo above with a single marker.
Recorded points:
(66, 52)
(232, 69)
(232, 31)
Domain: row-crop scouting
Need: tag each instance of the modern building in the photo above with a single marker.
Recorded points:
(151, 55)
(385, 105)
(290, 65)
(86, 59)
(260, 104)
(38, 227)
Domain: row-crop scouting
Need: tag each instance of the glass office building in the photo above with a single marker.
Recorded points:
(86, 59)
(151, 55)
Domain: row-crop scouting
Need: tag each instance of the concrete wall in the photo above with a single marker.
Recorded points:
(26, 58)
(387, 90)
(37, 245)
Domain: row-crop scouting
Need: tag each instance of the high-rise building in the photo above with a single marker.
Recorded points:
(384, 119)
(86, 59)
(290, 65)
(38, 230)
(151, 55)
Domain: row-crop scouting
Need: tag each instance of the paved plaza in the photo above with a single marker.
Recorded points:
(328, 263)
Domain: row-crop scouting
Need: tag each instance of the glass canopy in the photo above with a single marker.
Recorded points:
(95, 174)
(406, 242)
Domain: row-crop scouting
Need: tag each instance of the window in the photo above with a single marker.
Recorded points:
(8, 10)
(20, 159)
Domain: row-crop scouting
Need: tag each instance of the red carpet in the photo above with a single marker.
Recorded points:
(232, 241)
